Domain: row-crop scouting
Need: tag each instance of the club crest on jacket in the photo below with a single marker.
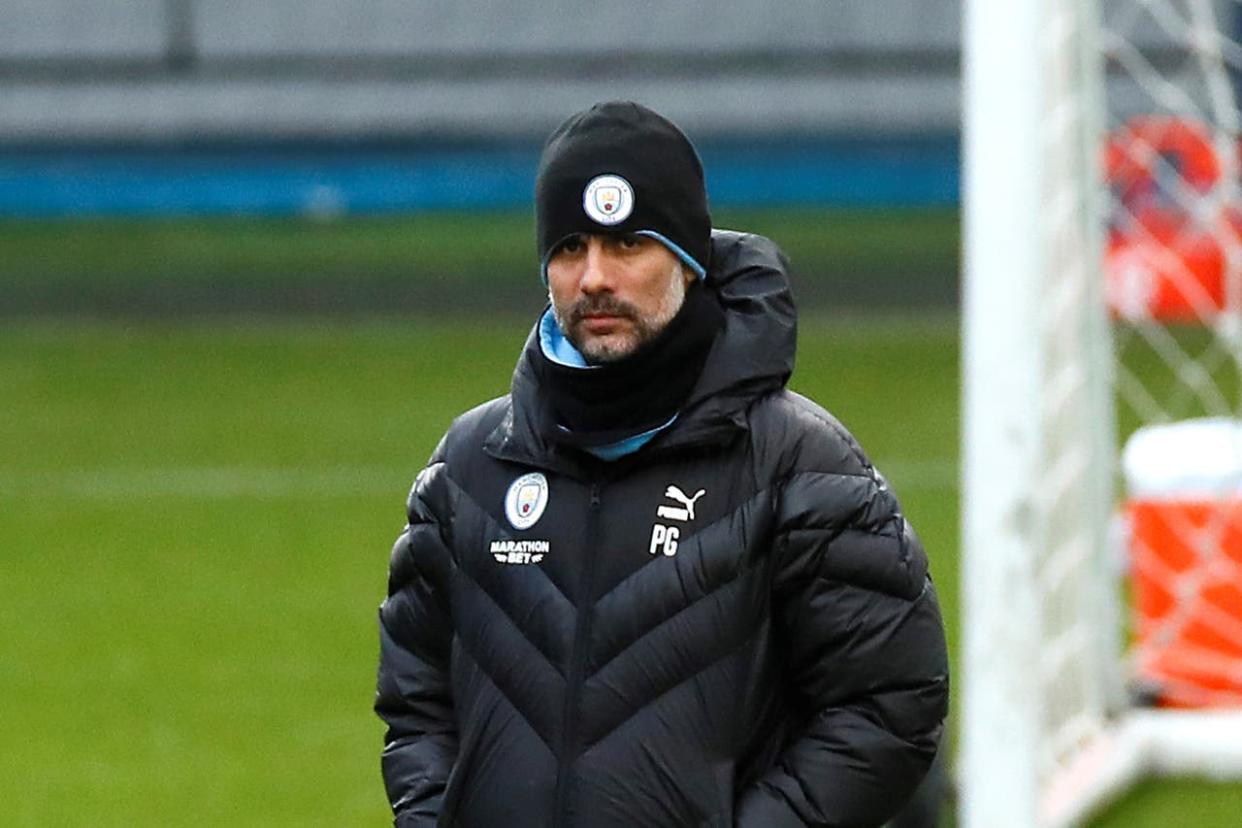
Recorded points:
(526, 499)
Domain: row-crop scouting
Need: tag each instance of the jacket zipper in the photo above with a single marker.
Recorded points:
(577, 664)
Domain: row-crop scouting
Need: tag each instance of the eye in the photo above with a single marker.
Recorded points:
(573, 244)
(630, 241)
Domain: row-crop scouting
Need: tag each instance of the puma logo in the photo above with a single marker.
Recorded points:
(674, 513)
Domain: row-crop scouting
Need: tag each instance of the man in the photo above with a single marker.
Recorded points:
(652, 587)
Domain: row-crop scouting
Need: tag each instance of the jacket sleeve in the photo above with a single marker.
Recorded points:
(414, 695)
(858, 625)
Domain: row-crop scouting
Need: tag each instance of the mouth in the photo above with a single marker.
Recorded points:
(601, 323)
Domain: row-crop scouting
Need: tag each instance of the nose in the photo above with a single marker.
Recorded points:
(597, 269)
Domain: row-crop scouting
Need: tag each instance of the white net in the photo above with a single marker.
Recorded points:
(1172, 166)
(1076, 672)
(1169, 222)
(1174, 278)
(1145, 353)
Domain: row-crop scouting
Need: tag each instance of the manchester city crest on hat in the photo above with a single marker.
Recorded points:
(608, 199)
(526, 499)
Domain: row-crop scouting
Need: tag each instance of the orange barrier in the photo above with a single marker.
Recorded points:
(1165, 262)
(1172, 276)
(1187, 582)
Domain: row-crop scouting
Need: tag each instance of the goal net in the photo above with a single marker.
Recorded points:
(1102, 439)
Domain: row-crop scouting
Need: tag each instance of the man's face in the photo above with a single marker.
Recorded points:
(612, 293)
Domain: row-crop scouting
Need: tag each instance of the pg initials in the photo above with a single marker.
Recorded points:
(664, 538)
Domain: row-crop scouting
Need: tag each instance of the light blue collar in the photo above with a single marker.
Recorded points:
(555, 346)
(629, 445)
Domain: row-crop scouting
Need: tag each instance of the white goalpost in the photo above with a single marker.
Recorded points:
(1102, 307)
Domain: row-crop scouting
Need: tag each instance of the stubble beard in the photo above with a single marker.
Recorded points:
(598, 350)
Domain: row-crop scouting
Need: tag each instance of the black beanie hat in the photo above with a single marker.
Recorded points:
(619, 167)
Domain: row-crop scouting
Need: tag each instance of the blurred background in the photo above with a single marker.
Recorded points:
(254, 257)
(383, 152)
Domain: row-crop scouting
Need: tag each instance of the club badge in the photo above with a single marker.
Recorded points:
(608, 199)
(526, 499)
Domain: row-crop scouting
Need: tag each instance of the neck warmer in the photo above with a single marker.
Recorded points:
(598, 405)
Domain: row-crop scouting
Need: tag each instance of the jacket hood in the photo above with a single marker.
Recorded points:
(753, 355)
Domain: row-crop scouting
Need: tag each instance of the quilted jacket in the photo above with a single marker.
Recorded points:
(733, 626)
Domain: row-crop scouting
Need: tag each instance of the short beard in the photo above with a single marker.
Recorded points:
(599, 350)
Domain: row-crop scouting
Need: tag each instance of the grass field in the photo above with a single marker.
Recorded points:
(195, 517)
(196, 523)
(425, 262)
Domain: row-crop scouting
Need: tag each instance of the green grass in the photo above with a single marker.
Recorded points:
(196, 526)
(483, 245)
(195, 523)
(846, 257)
(1177, 802)
(123, 251)
(1156, 359)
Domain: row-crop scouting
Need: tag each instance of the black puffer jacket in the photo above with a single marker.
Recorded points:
(771, 656)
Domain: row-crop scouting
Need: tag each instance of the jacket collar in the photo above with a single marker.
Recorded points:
(752, 356)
